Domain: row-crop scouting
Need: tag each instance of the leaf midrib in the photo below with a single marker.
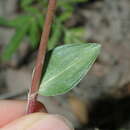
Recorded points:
(75, 62)
(61, 72)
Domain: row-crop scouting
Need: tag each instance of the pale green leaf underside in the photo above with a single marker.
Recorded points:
(67, 67)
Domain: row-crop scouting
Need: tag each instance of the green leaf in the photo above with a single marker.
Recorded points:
(67, 66)
(4, 22)
(16, 22)
(74, 35)
(56, 35)
(67, 2)
(15, 42)
(78, 1)
(32, 10)
(40, 20)
(65, 16)
(34, 33)
(25, 3)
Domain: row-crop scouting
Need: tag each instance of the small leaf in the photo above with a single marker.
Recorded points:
(40, 20)
(74, 35)
(34, 33)
(4, 22)
(16, 22)
(65, 16)
(56, 35)
(32, 10)
(15, 42)
(78, 1)
(67, 67)
(25, 3)
(68, 2)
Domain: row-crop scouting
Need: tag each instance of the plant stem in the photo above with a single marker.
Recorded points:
(33, 92)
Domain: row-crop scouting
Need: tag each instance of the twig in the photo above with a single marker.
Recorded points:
(32, 97)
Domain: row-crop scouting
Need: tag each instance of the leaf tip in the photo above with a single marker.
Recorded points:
(97, 47)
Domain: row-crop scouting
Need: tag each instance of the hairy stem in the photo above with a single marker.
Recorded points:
(33, 92)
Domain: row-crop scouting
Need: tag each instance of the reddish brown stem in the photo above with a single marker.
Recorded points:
(32, 97)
